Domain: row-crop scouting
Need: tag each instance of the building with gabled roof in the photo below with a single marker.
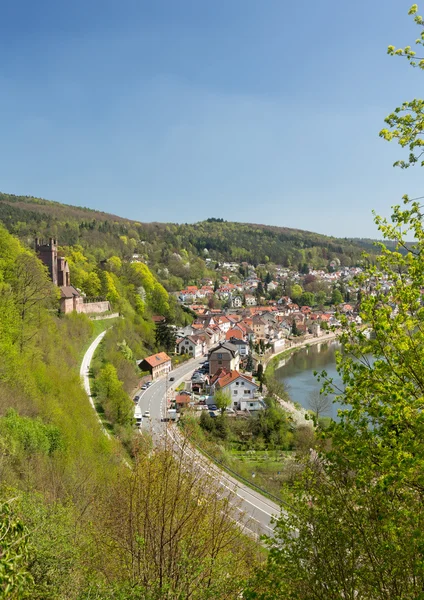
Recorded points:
(157, 364)
(224, 355)
(240, 388)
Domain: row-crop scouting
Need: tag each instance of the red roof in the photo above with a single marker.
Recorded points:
(183, 398)
(157, 359)
(227, 378)
(158, 319)
(234, 333)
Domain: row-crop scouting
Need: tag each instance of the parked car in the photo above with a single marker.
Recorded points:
(136, 398)
(212, 414)
(147, 414)
(149, 383)
(144, 386)
(172, 379)
(213, 407)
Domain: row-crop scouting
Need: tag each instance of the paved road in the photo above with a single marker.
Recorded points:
(84, 371)
(258, 509)
(251, 509)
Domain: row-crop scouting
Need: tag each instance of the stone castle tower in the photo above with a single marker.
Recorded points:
(57, 266)
(70, 298)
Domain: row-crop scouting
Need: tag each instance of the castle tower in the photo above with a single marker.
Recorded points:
(47, 253)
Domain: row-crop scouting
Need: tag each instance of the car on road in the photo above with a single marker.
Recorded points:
(172, 379)
(146, 414)
(136, 398)
(149, 383)
(144, 386)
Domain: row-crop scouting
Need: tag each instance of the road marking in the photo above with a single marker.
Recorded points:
(220, 473)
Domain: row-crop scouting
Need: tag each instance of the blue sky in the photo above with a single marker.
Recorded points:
(263, 111)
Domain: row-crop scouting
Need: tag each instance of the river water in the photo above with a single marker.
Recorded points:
(297, 372)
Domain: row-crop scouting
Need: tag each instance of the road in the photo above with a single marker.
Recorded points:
(252, 510)
(251, 504)
(84, 373)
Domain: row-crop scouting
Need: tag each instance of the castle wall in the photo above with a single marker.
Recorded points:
(94, 307)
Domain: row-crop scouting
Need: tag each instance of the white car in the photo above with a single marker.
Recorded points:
(146, 414)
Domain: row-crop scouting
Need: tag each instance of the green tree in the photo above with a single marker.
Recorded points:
(307, 299)
(406, 122)
(114, 264)
(260, 290)
(117, 405)
(15, 579)
(357, 510)
(222, 400)
(321, 298)
(260, 372)
(167, 532)
(33, 292)
(336, 297)
(296, 291)
(165, 336)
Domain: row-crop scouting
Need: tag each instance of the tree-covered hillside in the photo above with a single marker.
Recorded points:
(80, 517)
(176, 252)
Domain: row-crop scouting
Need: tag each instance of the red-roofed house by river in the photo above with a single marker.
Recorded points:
(157, 364)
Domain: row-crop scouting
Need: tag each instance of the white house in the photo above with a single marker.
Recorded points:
(251, 404)
(240, 388)
(236, 302)
(191, 345)
(242, 345)
(224, 324)
(250, 300)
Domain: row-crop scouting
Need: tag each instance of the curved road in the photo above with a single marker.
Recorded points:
(248, 503)
(84, 374)
(258, 509)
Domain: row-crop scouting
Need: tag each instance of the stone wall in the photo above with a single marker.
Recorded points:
(94, 307)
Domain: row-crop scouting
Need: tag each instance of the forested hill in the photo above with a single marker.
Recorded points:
(171, 245)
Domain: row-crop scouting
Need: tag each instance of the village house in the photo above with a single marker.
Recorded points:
(234, 332)
(223, 356)
(157, 364)
(260, 327)
(242, 345)
(315, 329)
(224, 324)
(191, 344)
(182, 400)
(240, 388)
(236, 302)
(250, 300)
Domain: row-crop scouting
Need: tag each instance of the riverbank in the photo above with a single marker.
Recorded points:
(299, 414)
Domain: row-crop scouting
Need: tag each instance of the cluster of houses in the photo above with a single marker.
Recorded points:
(245, 292)
(269, 326)
(223, 372)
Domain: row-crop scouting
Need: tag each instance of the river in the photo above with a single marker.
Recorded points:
(297, 372)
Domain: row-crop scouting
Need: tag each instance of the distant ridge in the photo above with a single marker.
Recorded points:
(215, 238)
